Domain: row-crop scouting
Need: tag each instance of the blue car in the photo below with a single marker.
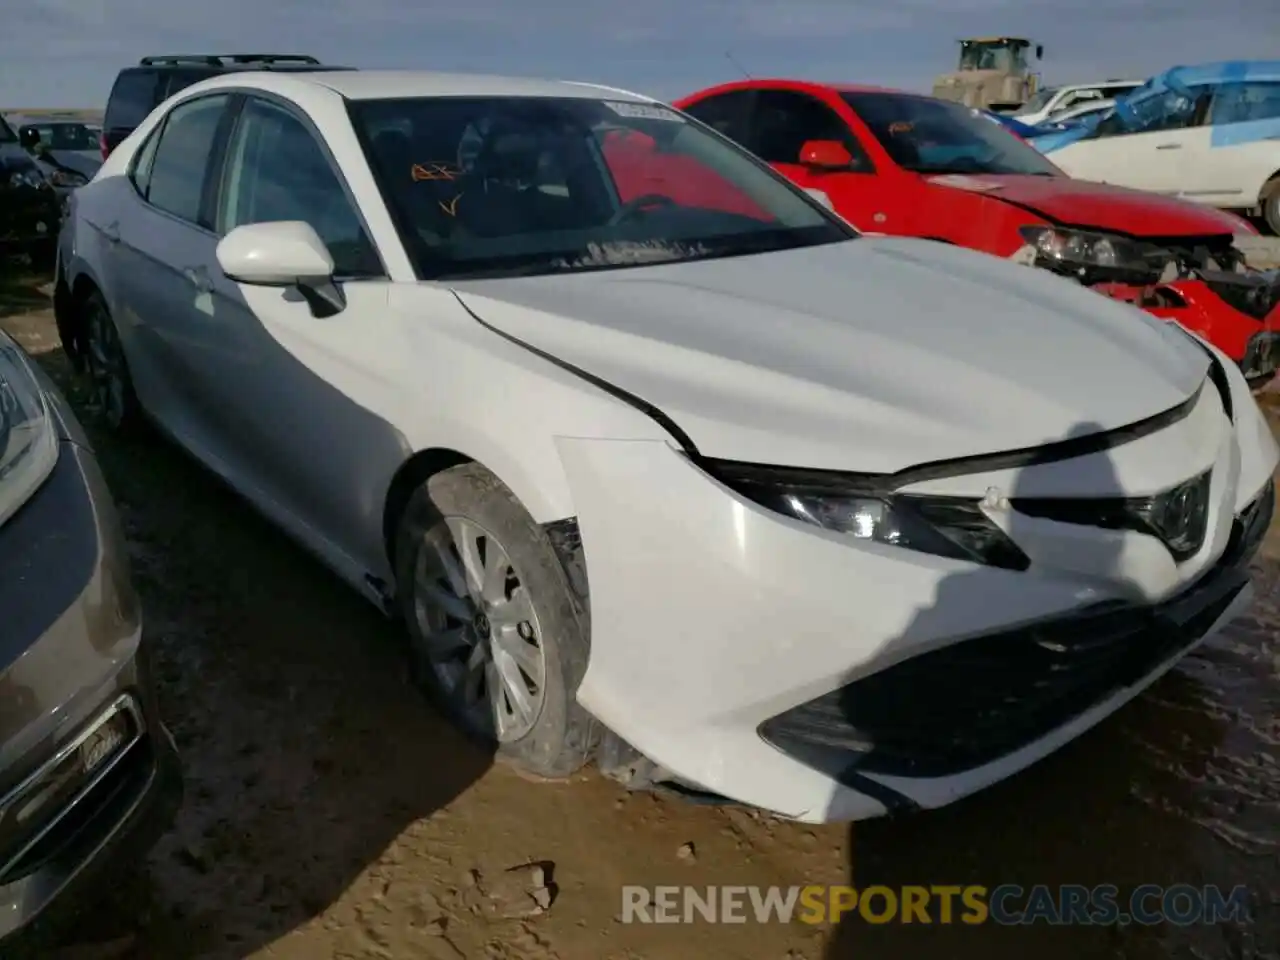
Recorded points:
(1207, 133)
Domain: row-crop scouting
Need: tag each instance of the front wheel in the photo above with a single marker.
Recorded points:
(496, 639)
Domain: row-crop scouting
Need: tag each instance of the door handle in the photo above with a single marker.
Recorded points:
(112, 231)
(200, 279)
(1169, 146)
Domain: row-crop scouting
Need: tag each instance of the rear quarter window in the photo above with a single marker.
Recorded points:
(132, 98)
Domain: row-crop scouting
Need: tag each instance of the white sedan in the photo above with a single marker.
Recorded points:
(661, 463)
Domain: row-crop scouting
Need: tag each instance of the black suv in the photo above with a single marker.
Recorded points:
(139, 90)
(30, 209)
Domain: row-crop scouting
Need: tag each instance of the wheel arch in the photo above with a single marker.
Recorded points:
(68, 299)
(413, 473)
(536, 490)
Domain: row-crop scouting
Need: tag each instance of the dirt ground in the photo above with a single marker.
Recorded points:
(330, 814)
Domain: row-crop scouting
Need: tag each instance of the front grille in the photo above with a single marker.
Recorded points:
(955, 709)
(50, 809)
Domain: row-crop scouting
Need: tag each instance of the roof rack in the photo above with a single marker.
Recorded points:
(224, 59)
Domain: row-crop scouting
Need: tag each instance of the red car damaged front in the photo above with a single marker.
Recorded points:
(909, 165)
(1171, 257)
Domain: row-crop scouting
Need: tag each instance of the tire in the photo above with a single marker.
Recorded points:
(1270, 202)
(531, 617)
(106, 369)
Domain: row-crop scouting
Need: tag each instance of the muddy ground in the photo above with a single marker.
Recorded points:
(330, 814)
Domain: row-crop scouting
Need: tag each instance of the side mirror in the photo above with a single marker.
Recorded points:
(29, 138)
(1040, 51)
(287, 253)
(825, 155)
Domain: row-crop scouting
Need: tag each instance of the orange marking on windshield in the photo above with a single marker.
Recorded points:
(432, 171)
(451, 208)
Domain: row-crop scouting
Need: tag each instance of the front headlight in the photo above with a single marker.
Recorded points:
(1096, 255)
(859, 507)
(28, 440)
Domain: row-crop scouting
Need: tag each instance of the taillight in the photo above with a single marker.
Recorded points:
(102, 145)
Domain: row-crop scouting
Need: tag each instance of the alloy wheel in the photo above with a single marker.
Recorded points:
(105, 365)
(477, 629)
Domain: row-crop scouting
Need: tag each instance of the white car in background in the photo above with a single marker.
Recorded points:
(661, 463)
(1051, 102)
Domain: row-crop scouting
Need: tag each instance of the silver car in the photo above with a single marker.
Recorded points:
(88, 773)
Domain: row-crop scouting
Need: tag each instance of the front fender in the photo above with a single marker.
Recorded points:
(501, 404)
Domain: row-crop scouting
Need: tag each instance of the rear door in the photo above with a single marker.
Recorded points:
(164, 241)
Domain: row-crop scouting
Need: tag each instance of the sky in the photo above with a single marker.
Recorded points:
(66, 52)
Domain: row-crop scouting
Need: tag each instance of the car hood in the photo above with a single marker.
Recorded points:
(1082, 203)
(869, 355)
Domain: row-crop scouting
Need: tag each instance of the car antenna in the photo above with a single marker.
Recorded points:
(729, 56)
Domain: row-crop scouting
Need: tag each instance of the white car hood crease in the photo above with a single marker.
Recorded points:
(869, 356)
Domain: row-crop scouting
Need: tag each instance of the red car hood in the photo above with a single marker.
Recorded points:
(1081, 203)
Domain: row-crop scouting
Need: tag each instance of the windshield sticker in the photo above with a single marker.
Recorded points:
(643, 111)
(964, 182)
(901, 126)
(434, 171)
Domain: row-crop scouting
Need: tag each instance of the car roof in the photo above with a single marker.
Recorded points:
(1226, 71)
(806, 86)
(401, 84)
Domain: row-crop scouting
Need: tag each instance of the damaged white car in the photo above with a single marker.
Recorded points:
(661, 463)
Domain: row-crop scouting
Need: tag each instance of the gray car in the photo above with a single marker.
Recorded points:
(88, 773)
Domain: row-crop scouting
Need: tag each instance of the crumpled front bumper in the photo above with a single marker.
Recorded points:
(1252, 342)
(720, 629)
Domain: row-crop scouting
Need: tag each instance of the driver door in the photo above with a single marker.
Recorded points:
(782, 121)
(298, 439)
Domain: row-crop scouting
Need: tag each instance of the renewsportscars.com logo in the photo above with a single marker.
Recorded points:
(1007, 904)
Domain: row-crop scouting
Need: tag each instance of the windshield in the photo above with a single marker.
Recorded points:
(1037, 102)
(988, 56)
(931, 136)
(513, 186)
(6, 132)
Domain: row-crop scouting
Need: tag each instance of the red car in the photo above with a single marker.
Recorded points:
(902, 163)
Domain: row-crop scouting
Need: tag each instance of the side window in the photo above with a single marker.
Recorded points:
(726, 114)
(277, 171)
(131, 99)
(140, 169)
(177, 171)
(784, 120)
(1245, 102)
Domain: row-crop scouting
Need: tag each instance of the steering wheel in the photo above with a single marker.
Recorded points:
(634, 206)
